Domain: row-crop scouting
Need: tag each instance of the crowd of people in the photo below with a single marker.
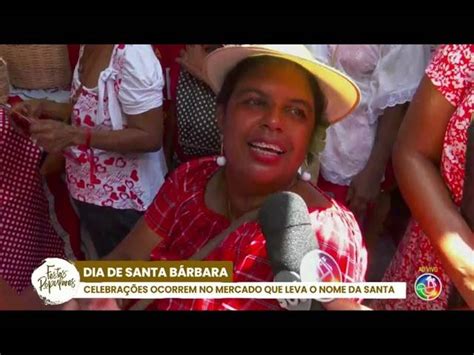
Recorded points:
(164, 148)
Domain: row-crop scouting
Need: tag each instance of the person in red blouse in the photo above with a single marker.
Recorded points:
(274, 103)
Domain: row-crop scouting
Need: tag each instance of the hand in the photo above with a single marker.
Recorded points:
(54, 136)
(192, 59)
(364, 188)
(30, 108)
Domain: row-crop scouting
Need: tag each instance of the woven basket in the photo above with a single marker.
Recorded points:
(4, 82)
(37, 66)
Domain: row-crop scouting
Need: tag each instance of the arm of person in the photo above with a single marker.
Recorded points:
(140, 96)
(58, 111)
(365, 186)
(36, 108)
(143, 134)
(395, 79)
(416, 161)
(170, 131)
(387, 131)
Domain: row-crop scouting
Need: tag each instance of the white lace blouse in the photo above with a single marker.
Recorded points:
(387, 75)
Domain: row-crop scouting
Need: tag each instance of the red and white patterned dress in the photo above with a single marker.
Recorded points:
(26, 234)
(451, 72)
(179, 215)
(131, 84)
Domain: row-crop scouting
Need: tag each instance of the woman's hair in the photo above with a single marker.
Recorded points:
(249, 64)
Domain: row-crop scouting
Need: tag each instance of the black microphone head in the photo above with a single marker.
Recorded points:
(286, 226)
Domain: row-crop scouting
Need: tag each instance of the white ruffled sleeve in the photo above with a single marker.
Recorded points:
(142, 83)
(397, 75)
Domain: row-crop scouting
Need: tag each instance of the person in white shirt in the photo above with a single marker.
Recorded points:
(358, 149)
(111, 135)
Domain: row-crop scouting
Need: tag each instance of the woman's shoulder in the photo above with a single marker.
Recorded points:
(338, 234)
(451, 71)
(185, 183)
(332, 217)
(314, 197)
(137, 50)
(137, 57)
(194, 172)
(336, 213)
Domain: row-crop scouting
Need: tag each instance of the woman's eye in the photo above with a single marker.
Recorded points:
(255, 102)
(295, 111)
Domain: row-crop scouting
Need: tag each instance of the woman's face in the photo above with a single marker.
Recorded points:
(268, 123)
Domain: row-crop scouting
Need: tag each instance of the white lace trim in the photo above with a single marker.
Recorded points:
(391, 100)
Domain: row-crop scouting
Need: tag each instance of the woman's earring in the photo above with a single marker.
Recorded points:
(221, 160)
(305, 176)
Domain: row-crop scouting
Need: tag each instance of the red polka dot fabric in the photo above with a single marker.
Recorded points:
(26, 234)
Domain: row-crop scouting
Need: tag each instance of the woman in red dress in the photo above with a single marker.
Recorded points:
(271, 112)
(429, 161)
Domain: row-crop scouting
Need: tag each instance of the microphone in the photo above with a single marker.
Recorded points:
(289, 236)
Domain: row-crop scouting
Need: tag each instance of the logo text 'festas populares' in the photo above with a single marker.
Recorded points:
(56, 281)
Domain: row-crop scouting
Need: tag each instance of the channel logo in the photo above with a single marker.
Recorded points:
(428, 287)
